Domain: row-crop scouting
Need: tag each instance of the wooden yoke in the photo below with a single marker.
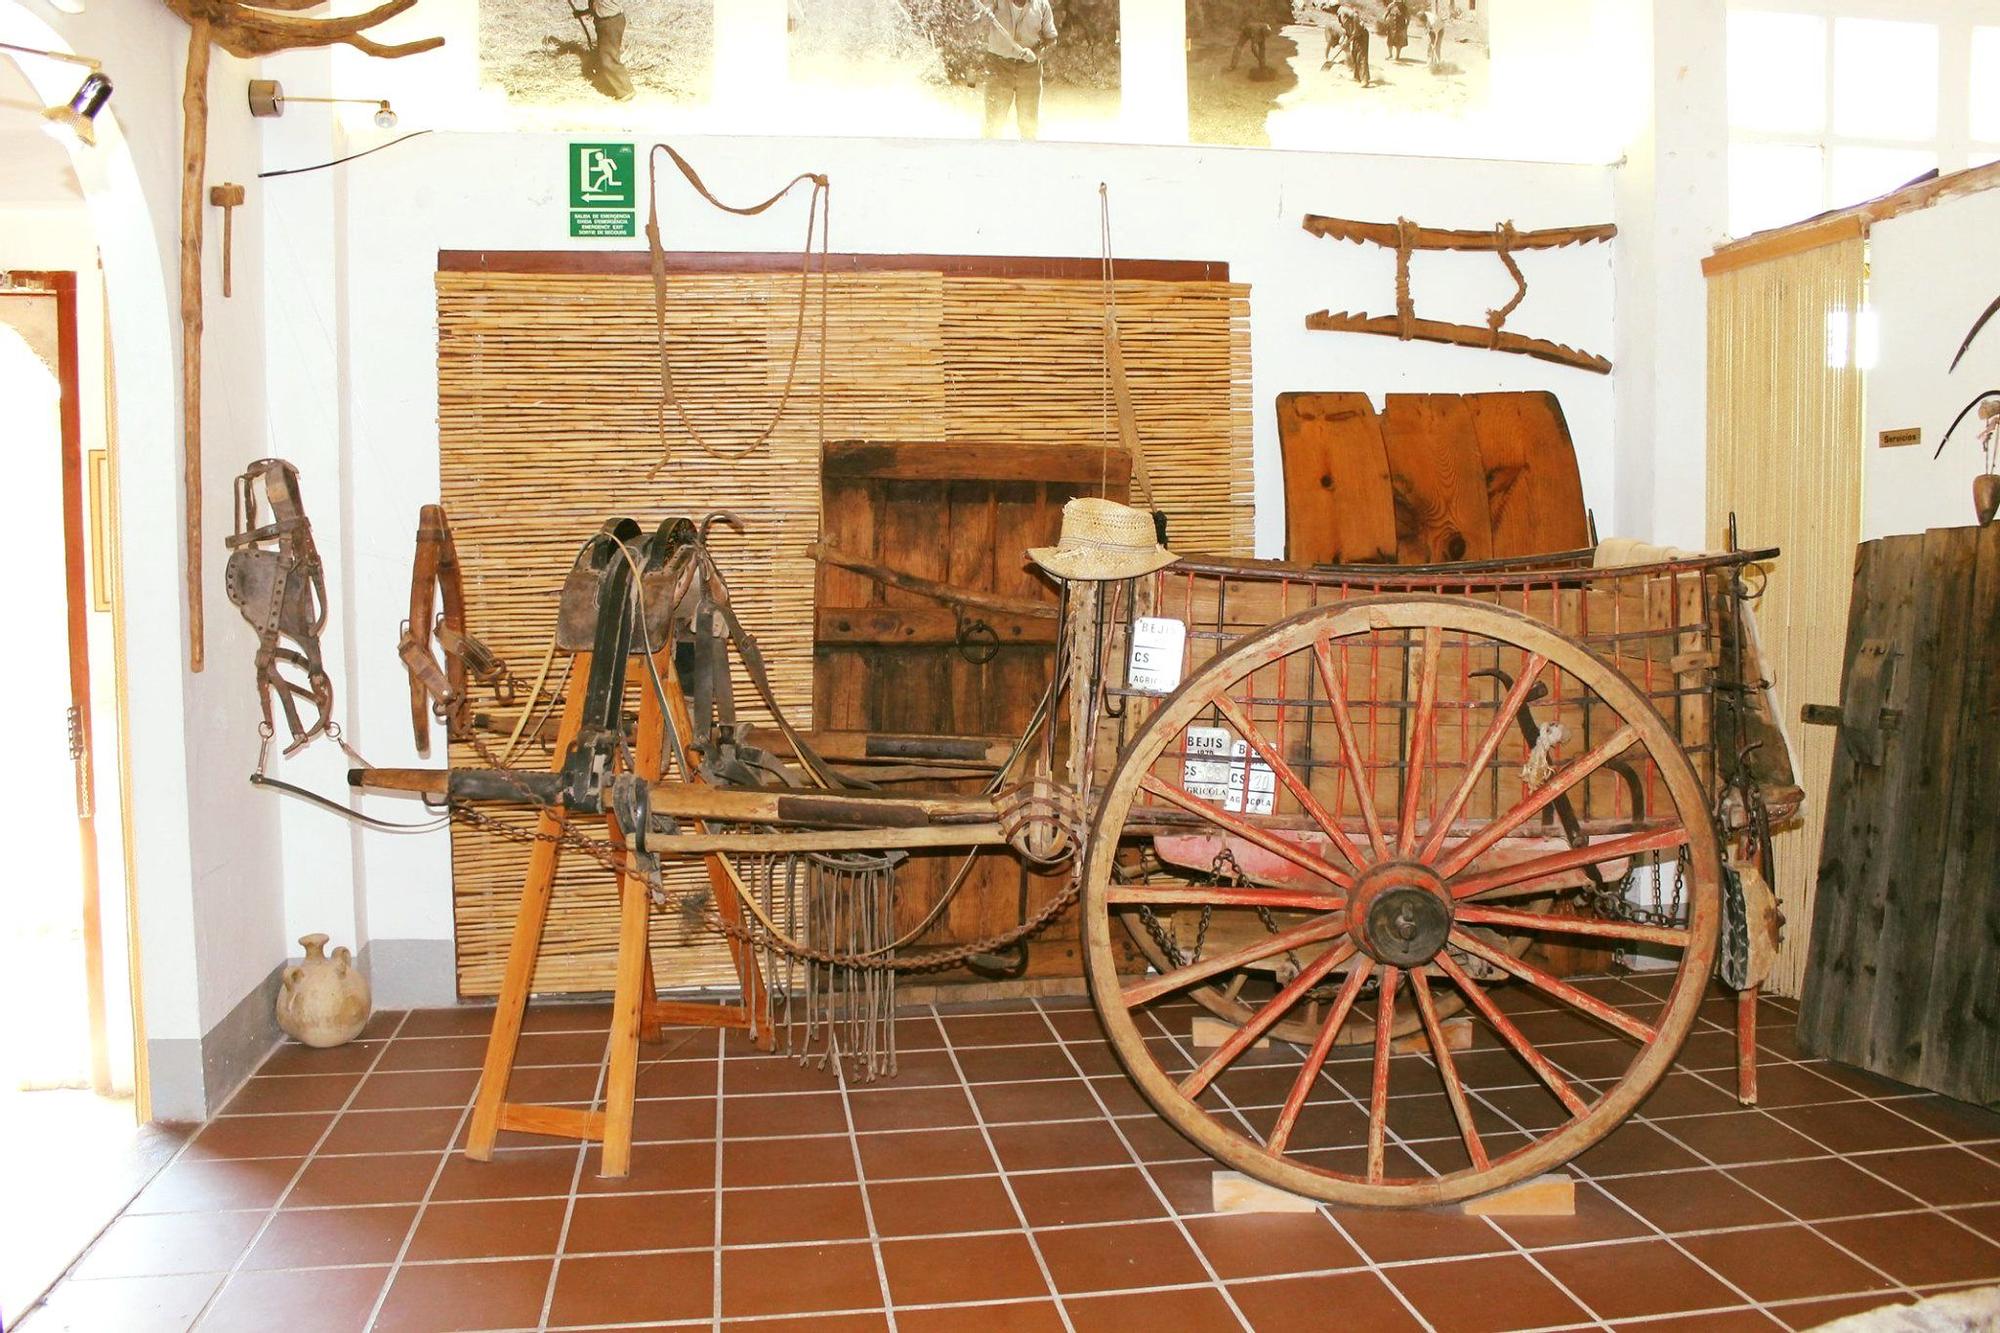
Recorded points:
(587, 750)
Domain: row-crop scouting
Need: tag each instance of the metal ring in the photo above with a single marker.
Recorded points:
(978, 642)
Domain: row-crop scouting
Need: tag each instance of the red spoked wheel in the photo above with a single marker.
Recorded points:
(1393, 889)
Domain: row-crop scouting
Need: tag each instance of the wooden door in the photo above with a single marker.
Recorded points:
(53, 298)
(890, 660)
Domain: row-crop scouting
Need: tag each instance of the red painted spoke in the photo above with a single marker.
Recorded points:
(1447, 1069)
(1350, 749)
(1421, 726)
(1262, 1021)
(1472, 848)
(1320, 815)
(1295, 1101)
(1555, 986)
(1247, 831)
(1378, 1094)
(1224, 895)
(1475, 767)
(1510, 1034)
(1472, 914)
(1312, 932)
(1555, 863)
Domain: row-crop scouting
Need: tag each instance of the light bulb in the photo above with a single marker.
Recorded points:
(75, 123)
(385, 117)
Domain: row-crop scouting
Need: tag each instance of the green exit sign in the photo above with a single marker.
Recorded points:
(603, 189)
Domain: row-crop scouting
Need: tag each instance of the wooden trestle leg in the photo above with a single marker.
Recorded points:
(489, 1106)
(1746, 1046)
(637, 1012)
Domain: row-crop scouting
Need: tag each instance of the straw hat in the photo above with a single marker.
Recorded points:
(1102, 539)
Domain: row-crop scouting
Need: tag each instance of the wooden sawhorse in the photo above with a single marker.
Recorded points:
(637, 1012)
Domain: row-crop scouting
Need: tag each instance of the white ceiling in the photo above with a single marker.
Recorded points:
(34, 169)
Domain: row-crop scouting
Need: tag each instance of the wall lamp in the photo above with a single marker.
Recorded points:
(75, 121)
(268, 98)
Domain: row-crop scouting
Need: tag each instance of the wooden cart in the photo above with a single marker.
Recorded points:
(1332, 806)
(1378, 794)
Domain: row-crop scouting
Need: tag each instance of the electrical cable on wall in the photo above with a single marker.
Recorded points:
(322, 166)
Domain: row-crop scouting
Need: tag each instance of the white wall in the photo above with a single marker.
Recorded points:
(1930, 275)
(1673, 209)
(205, 845)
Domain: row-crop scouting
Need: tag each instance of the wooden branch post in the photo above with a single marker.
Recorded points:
(194, 164)
(248, 31)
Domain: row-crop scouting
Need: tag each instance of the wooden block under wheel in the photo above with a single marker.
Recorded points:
(1542, 1196)
(1234, 1192)
(1204, 1031)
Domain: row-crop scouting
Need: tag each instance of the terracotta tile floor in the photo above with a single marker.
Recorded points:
(1011, 1179)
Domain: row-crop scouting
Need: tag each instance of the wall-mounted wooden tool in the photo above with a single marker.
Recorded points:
(1406, 237)
(228, 197)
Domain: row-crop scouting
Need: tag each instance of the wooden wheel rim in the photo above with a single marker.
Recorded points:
(1546, 1149)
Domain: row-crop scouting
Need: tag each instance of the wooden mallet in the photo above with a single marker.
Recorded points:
(227, 197)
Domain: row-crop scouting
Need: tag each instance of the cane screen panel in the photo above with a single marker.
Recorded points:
(548, 382)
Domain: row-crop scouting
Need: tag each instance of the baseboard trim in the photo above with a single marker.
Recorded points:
(191, 1080)
(411, 974)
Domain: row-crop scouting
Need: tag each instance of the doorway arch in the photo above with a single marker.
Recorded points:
(150, 619)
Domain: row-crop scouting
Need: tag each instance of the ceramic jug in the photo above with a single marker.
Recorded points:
(323, 1001)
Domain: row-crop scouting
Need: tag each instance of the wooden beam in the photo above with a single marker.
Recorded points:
(637, 262)
(922, 626)
(975, 461)
(1847, 223)
(970, 598)
(1766, 246)
(1458, 335)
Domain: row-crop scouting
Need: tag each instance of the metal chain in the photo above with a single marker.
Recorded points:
(1613, 902)
(612, 856)
(932, 960)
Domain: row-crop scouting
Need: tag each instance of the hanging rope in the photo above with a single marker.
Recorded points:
(818, 214)
(1114, 359)
(1504, 235)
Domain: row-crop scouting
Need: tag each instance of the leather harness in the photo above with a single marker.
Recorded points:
(275, 578)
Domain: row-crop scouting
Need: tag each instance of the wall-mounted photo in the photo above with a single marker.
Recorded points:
(1308, 73)
(1005, 69)
(585, 53)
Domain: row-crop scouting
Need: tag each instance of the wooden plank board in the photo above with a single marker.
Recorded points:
(1961, 1055)
(1534, 493)
(1439, 479)
(1863, 825)
(1903, 977)
(1339, 507)
(1934, 672)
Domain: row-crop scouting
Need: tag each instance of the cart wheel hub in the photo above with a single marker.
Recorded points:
(1400, 913)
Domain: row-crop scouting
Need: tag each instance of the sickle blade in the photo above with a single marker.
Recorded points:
(1977, 325)
(1964, 412)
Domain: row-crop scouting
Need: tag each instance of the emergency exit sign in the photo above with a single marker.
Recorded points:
(603, 190)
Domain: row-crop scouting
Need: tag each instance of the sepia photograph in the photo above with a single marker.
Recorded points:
(1298, 73)
(1001, 69)
(558, 53)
